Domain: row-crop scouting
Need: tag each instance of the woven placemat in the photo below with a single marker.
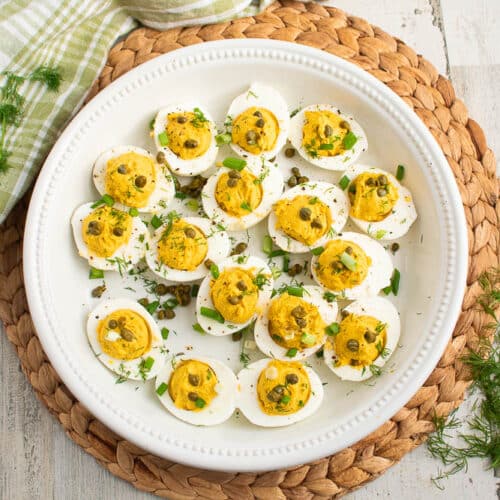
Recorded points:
(463, 142)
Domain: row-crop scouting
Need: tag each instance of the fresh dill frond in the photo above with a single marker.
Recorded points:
(51, 77)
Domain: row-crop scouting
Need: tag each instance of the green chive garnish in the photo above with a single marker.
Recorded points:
(162, 389)
(387, 290)
(344, 182)
(104, 200)
(197, 328)
(296, 291)
(194, 290)
(164, 333)
(349, 140)
(329, 297)
(148, 363)
(267, 244)
(348, 261)
(212, 314)
(193, 205)
(317, 250)
(200, 403)
(332, 329)
(380, 234)
(214, 271)
(286, 262)
(326, 147)
(156, 222)
(152, 307)
(95, 274)
(235, 163)
(308, 339)
(133, 212)
(163, 139)
(277, 253)
(152, 124)
(180, 195)
(221, 139)
(400, 173)
(396, 276)
(246, 206)
(171, 303)
(285, 399)
(291, 353)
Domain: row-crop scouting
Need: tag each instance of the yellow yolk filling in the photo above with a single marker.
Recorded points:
(124, 334)
(192, 385)
(333, 274)
(372, 197)
(255, 130)
(235, 295)
(182, 246)
(283, 387)
(303, 218)
(238, 196)
(189, 135)
(360, 341)
(323, 133)
(295, 323)
(105, 230)
(130, 179)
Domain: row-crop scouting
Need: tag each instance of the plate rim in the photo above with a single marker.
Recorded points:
(316, 448)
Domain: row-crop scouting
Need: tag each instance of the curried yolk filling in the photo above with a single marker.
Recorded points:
(255, 130)
(189, 134)
(323, 133)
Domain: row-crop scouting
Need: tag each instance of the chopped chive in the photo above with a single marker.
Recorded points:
(277, 253)
(235, 163)
(104, 200)
(193, 205)
(152, 307)
(308, 339)
(313, 200)
(163, 139)
(325, 147)
(200, 403)
(133, 212)
(267, 244)
(95, 274)
(148, 363)
(387, 290)
(286, 262)
(380, 234)
(162, 389)
(400, 173)
(194, 290)
(296, 291)
(212, 314)
(348, 261)
(164, 333)
(329, 297)
(171, 303)
(285, 399)
(291, 353)
(317, 250)
(214, 271)
(221, 139)
(156, 222)
(197, 328)
(333, 329)
(294, 112)
(246, 206)
(349, 140)
(180, 195)
(396, 276)
(344, 182)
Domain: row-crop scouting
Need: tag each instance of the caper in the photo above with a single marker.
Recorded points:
(94, 228)
(394, 247)
(354, 362)
(169, 314)
(296, 172)
(305, 213)
(189, 232)
(251, 137)
(239, 248)
(382, 180)
(193, 396)
(258, 114)
(292, 181)
(260, 123)
(348, 250)
(294, 270)
(353, 345)
(292, 378)
(140, 181)
(144, 301)
(127, 335)
(298, 312)
(382, 191)
(301, 322)
(337, 266)
(182, 119)
(98, 291)
(328, 131)
(316, 223)
(193, 379)
(122, 320)
(234, 299)
(276, 393)
(370, 337)
(236, 336)
(234, 174)
(303, 179)
(191, 144)
(289, 152)
(241, 286)
(161, 289)
(344, 313)
(231, 182)
(352, 189)
(343, 124)
(112, 324)
(118, 231)
(161, 314)
(160, 157)
(370, 181)
(122, 169)
(208, 263)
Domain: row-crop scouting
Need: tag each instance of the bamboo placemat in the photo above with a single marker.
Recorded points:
(463, 142)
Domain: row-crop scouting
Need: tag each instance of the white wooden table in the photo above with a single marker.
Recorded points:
(38, 461)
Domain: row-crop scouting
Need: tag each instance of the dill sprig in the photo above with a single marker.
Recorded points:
(482, 439)
(12, 102)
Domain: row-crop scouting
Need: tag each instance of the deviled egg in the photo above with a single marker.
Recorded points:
(185, 135)
(308, 215)
(295, 323)
(234, 292)
(326, 137)
(240, 195)
(276, 393)
(109, 238)
(259, 122)
(380, 205)
(133, 178)
(126, 339)
(182, 246)
(198, 390)
(351, 266)
(363, 340)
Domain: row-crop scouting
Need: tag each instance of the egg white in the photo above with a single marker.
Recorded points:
(178, 166)
(127, 255)
(265, 343)
(385, 312)
(248, 401)
(330, 195)
(399, 221)
(219, 409)
(272, 187)
(218, 249)
(379, 273)
(204, 298)
(339, 162)
(262, 96)
(163, 193)
(129, 369)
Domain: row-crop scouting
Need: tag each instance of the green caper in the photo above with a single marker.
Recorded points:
(328, 131)
(127, 335)
(260, 123)
(292, 378)
(169, 314)
(316, 223)
(209, 263)
(353, 345)
(292, 181)
(241, 286)
(193, 396)
(303, 179)
(370, 181)
(234, 174)
(337, 266)
(98, 291)
(191, 143)
(144, 301)
(239, 248)
(118, 231)
(382, 180)
(160, 314)
(182, 119)
(232, 182)
(140, 181)
(305, 213)
(298, 312)
(112, 324)
(276, 393)
(258, 114)
(234, 299)
(354, 362)
(289, 152)
(161, 289)
(370, 337)
(394, 247)
(296, 172)
(343, 124)
(236, 336)
(94, 228)
(189, 232)
(301, 322)
(348, 250)
(295, 269)
(251, 137)
(382, 192)
(193, 379)
(344, 313)
(122, 169)
(160, 157)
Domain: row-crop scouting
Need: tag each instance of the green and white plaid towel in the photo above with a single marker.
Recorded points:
(74, 35)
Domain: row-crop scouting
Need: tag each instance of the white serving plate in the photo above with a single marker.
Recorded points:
(432, 259)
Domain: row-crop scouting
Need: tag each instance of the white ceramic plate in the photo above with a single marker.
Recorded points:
(432, 259)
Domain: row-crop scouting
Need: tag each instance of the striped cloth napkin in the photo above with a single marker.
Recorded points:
(74, 35)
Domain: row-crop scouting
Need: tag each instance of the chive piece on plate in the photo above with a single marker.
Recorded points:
(162, 389)
(156, 222)
(221, 139)
(163, 139)
(317, 250)
(400, 172)
(212, 314)
(291, 353)
(95, 274)
(267, 244)
(214, 271)
(344, 182)
(164, 333)
(296, 291)
(349, 140)
(235, 163)
(333, 329)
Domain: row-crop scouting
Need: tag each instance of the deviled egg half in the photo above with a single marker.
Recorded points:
(110, 239)
(380, 205)
(259, 122)
(185, 135)
(198, 390)
(363, 340)
(295, 324)
(234, 292)
(307, 215)
(183, 248)
(326, 137)
(126, 339)
(132, 178)
(275, 393)
(240, 195)
(351, 266)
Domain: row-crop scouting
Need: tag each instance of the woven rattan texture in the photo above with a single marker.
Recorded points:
(463, 142)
